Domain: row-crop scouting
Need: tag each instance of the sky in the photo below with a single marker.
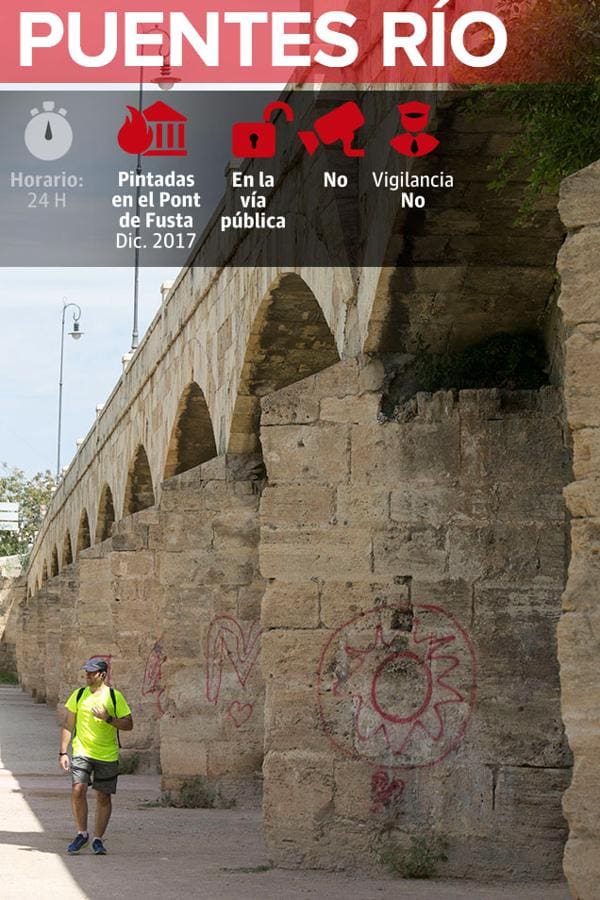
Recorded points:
(31, 303)
(32, 296)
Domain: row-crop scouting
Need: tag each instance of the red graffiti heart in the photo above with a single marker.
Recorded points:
(239, 712)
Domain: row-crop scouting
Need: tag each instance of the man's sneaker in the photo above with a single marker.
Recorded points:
(78, 843)
(98, 847)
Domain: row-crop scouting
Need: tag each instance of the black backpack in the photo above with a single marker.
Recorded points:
(114, 703)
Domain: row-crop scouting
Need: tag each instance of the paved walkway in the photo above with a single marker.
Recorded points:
(160, 852)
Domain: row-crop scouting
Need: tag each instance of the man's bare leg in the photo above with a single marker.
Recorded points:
(79, 805)
(103, 811)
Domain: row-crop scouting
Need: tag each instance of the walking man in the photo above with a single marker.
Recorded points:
(94, 716)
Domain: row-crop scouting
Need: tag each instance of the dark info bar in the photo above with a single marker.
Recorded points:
(243, 179)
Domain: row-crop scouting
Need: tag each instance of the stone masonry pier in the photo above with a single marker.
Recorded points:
(321, 585)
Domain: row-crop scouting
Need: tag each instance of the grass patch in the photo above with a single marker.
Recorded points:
(419, 860)
(247, 870)
(509, 361)
(129, 765)
(8, 678)
(194, 793)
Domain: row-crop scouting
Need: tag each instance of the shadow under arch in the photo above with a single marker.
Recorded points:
(106, 514)
(289, 340)
(192, 438)
(461, 269)
(83, 535)
(67, 550)
(139, 491)
(44, 573)
(54, 567)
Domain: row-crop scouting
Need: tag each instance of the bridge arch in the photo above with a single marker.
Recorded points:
(106, 514)
(54, 567)
(289, 340)
(192, 439)
(67, 550)
(139, 490)
(450, 277)
(83, 534)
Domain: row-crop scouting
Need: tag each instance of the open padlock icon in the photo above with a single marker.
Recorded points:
(256, 140)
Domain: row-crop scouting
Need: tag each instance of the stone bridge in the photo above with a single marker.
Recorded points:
(313, 579)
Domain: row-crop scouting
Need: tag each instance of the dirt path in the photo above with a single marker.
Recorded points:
(158, 852)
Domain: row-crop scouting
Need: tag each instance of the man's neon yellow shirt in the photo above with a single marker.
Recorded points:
(93, 737)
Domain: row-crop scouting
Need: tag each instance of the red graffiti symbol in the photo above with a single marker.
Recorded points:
(228, 641)
(400, 699)
(239, 712)
(152, 683)
(384, 790)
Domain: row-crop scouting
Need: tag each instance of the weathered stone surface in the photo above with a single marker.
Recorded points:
(580, 295)
(283, 407)
(291, 657)
(290, 453)
(450, 538)
(302, 782)
(291, 553)
(412, 550)
(581, 863)
(586, 452)
(341, 600)
(583, 498)
(580, 625)
(583, 376)
(309, 504)
(382, 454)
(293, 605)
(580, 198)
(356, 504)
(581, 592)
(358, 410)
(291, 720)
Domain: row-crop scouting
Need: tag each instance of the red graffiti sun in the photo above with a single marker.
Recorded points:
(400, 700)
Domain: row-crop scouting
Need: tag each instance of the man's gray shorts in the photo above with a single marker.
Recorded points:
(100, 774)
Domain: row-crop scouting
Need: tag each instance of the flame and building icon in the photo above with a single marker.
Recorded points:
(157, 131)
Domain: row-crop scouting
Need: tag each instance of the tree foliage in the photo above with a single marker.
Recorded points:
(33, 496)
(551, 86)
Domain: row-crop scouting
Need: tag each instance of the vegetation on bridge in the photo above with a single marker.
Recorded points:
(553, 65)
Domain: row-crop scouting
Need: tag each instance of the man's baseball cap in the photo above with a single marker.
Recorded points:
(95, 665)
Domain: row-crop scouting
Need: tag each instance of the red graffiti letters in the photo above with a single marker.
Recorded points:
(229, 643)
(153, 674)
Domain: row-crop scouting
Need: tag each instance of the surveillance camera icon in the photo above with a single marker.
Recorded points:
(341, 124)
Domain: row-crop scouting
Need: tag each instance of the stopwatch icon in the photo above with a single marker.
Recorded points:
(48, 135)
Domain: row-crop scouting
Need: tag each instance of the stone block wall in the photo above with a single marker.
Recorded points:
(414, 572)
(172, 601)
(116, 615)
(12, 593)
(106, 604)
(211, 722)
(579, 630)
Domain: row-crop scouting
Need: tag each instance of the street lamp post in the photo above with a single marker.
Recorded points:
(75, 334)
(165, 81)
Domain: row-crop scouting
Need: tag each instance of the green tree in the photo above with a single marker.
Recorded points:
(33, 496)
(551, 85)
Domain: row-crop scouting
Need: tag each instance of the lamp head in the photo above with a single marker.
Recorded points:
(76, 333)
(165, 80)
